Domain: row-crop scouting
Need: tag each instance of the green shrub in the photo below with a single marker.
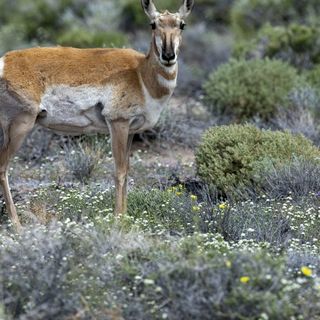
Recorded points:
(233, 157)
(65, 22)
(245, 89)
(46, 25)
(248, 16)
(296, 44)
(313, 77)
(87, 39)
(172, 209)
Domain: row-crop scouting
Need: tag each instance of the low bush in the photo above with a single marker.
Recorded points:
(303, 115)
(248, 16)
(288, 223)
(299, 45)
(246, 89)
(75, 271)
(174, 209)
(280, 218)
(81, 159)
(298, 178)
(234, 157)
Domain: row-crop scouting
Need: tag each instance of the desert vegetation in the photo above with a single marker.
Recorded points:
(223, 217)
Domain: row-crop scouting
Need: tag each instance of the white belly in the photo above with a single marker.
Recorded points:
(75, 109)
(83, 109)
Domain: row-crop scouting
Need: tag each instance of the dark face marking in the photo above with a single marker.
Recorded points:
(167, 29)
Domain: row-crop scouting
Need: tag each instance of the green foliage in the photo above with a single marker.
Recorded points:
(153, 210)
(64, 22)
(246, 89)
(44, 26)
(297, 44)
(172, 209)
(248, 16)
(234, 157)
(82, 38)
(313, 77)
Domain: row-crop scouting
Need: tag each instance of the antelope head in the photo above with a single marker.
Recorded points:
(167, 30)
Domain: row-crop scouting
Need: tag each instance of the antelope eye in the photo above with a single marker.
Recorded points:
(182, 25)
(153, 25)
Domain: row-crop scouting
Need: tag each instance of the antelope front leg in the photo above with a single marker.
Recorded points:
(121, 142)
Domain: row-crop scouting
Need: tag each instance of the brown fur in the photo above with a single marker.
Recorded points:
(31, 71)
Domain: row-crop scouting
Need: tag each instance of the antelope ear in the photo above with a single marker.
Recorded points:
(150, 9)
(186, 8)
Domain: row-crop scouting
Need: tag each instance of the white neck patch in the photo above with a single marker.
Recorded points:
(170, 84)
(169, 69)
(1, 67)
(153, 107)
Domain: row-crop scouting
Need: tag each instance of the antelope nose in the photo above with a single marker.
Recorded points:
(168, 56)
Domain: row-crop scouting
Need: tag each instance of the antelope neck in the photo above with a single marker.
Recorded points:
(159, 80)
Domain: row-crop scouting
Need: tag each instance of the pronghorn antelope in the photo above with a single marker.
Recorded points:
(76, 91)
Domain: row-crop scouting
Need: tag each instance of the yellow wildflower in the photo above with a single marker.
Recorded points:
(195, 208)
(306, 271)
(193, 197)
(244, 279)
(228, 264)
(222, 206)
(178, 193)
